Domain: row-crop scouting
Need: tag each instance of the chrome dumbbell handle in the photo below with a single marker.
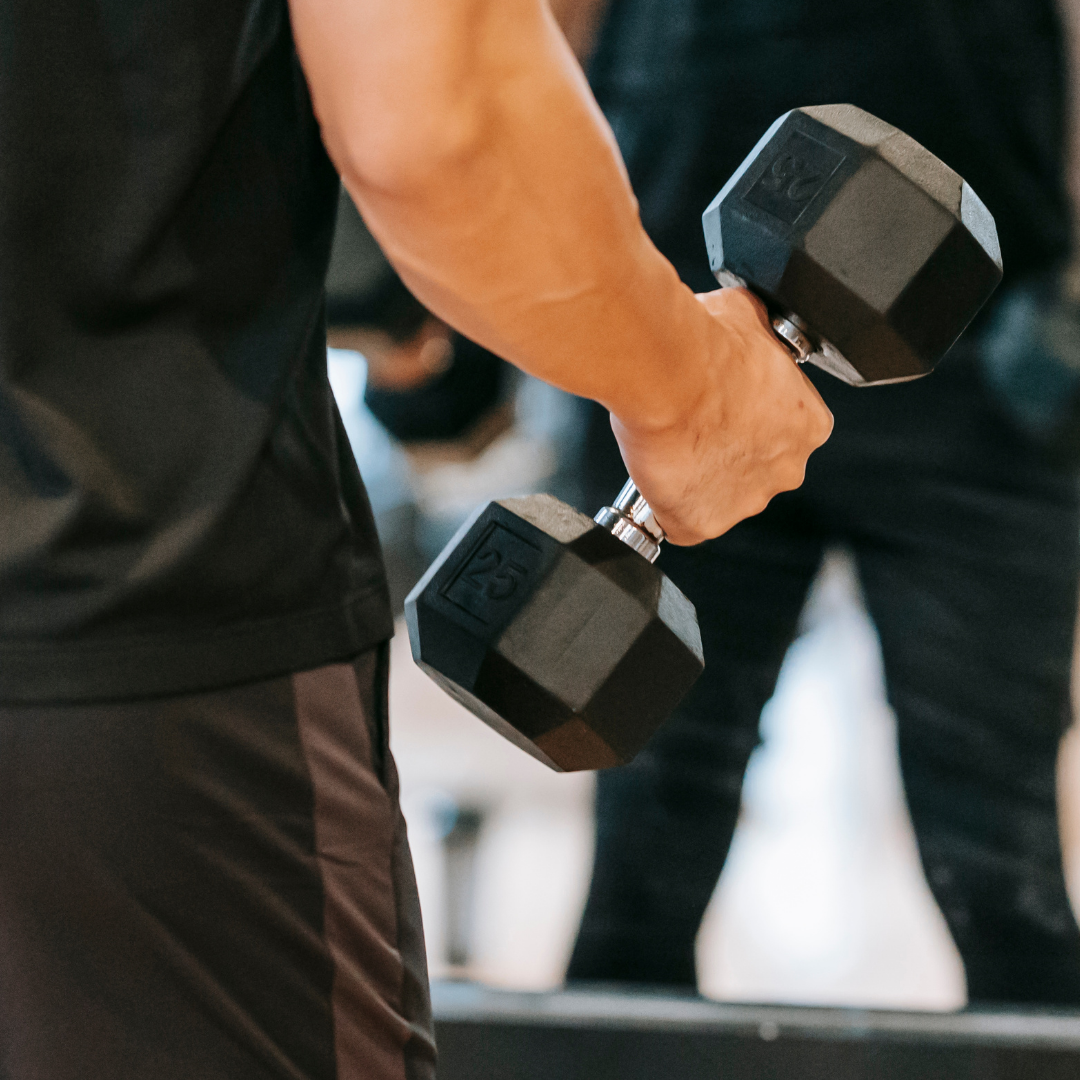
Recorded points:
(789, 329)
(631, 519)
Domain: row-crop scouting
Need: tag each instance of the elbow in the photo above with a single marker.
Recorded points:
(401, 152)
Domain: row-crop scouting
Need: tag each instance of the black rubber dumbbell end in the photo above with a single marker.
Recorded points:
(555, 633)
(859, 236)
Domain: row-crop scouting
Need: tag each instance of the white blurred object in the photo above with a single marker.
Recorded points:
(513, 464)
(382, 463)
(823, 899)
(517, 462)
(446, 488)
(535, 849)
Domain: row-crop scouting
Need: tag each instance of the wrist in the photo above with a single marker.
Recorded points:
(678, 361)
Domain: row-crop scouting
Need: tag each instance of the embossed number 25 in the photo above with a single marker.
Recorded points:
(794, 177)
(495, 577)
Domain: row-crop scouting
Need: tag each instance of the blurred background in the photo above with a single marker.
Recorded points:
(957, 494)
(822, 900)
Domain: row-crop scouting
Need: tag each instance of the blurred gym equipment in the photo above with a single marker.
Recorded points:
(608, 1035)
(459, 829)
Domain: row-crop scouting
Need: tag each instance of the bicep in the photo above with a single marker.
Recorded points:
(389, 78)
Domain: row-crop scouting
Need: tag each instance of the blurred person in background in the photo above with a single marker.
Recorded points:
(956, 494)
(203, 866)
(424, 381)
(959, 504)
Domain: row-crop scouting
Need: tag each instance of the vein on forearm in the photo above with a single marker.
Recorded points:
(506, 208)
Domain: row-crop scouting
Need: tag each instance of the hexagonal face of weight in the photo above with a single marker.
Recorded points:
(555, 633)
(882, 250)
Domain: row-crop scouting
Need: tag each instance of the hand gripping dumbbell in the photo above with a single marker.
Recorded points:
(871, 256)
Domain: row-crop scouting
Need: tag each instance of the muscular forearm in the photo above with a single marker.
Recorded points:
(467, 135)
(480, 161)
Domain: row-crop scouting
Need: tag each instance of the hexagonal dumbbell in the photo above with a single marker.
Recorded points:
(555, 632)
(871, 253)
(557, 629)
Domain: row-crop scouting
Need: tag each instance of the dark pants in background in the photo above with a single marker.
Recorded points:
(967, 543)
(214, 886)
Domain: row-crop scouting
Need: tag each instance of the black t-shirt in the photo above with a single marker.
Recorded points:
(179, 506)
(691, 85)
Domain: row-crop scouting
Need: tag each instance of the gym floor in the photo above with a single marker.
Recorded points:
(822, 901)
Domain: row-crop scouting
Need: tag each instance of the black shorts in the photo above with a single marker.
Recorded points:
(210, 886)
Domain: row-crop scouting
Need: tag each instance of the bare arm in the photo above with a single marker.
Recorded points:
(466, 134)
(479, 161)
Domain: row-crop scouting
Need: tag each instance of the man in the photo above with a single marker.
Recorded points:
(203, 869)
(965, 533)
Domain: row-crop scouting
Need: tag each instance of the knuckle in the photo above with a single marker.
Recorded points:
(792, 474)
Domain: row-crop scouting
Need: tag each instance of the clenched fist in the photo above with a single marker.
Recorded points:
(745, 438)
